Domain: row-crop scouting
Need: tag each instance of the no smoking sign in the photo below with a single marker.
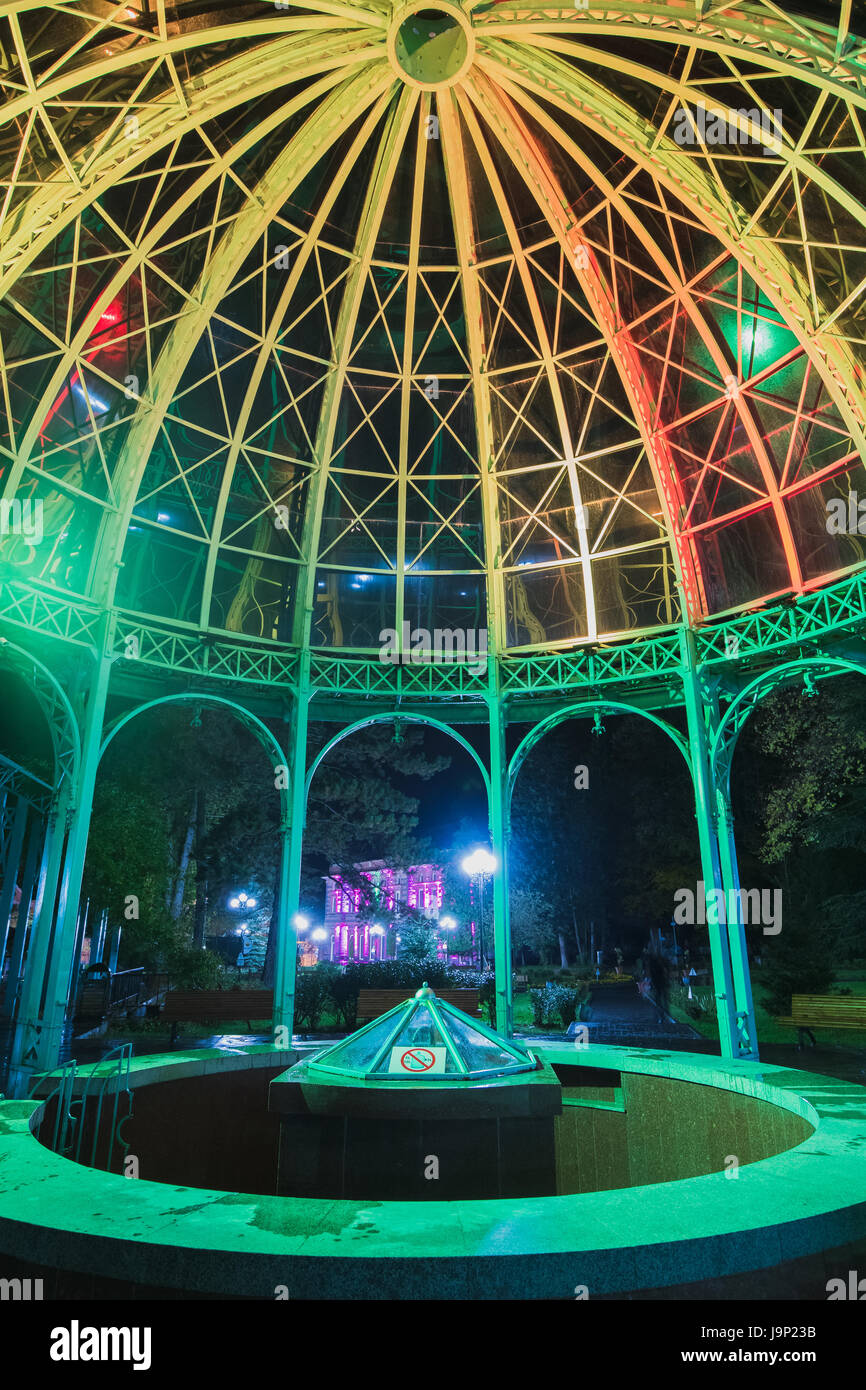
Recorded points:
(418, 1061)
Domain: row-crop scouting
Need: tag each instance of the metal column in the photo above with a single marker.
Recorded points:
(747, 1033)
(291, 846)
(81, 932)
(10, 872)
(28, 891)
(499, 835)
(39, 1033)
(696, 715)
(23, 1060)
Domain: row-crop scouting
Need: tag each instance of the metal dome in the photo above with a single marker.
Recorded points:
(332, 317)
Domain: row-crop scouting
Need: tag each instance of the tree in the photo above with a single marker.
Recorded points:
(418, 942)
(800, 783)
(552, 839)
(357, 808)
(202, 807)
(533, 926)
(604, 828)
(358, 811)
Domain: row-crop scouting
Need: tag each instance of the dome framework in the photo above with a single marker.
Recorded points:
(326, 322)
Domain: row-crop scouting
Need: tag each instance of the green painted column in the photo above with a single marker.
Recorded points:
(499, 836)
(11, 870)
(29, 888)
(39, 1031)
(747, 1032)
(291, 847)
(696, 715)
(23, 1060)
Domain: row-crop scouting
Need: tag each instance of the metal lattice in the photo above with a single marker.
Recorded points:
(299, 347)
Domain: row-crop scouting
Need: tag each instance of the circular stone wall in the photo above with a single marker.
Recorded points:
(782, 1214)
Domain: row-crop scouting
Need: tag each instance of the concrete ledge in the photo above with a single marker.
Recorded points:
(797, 1203)
(152, 1069)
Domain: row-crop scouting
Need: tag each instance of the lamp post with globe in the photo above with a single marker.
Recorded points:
(447, 924)
(301, 925)
(242, 902)
(479, 865)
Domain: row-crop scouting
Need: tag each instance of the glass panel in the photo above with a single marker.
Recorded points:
(359, 1052)
(479, 1052)
(420, 1030)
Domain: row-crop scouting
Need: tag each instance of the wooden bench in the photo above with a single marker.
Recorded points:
(521, 984)
(810, 1011)
(216, 1006)
(373, 1002)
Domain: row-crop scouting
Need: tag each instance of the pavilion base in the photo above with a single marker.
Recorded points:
(442, 1143)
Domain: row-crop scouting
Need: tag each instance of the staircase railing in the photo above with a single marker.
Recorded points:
(99, 1095)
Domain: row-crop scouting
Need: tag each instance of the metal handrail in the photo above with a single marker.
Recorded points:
(62, 1093)
(124, 1059)
(71, 1110)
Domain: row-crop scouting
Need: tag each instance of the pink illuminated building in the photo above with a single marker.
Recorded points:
(366, 933)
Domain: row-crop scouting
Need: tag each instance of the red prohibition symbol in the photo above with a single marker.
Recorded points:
(418, 1059)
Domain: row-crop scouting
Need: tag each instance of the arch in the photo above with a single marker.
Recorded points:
(404, 719)
(267, 739)
(56, 709)
(538, 731)
(731, 723)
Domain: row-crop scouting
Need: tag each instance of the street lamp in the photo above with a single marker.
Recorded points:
(243, 901)
(478, 865)
(480, 861)
(448, 924)
(300, 922)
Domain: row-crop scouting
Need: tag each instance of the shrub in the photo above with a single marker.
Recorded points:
(399, 974)
(486, 985)
(540, 974)
(192, 968)
(311, 996)
(554, 1002)
(796, 964)
(342, 991)
(342, 986)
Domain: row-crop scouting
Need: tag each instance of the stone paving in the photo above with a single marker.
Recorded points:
(619, 1015)
(621, 1034)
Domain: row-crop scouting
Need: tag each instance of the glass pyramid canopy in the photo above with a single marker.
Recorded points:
(424, 1039)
